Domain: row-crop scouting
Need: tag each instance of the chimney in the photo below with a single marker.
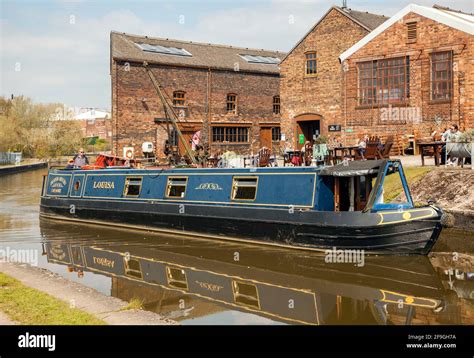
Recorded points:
(344, 4)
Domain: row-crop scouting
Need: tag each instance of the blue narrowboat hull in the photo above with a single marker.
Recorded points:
(292, 207)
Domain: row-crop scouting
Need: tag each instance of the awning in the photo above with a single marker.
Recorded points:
(354, 168)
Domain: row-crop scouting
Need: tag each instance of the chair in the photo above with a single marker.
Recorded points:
(385, 153)
(264, 157)
(372, 148)
(308, 154)
(212, 162)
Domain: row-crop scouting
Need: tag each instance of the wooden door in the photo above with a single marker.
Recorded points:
(266, 137)
(188, 136)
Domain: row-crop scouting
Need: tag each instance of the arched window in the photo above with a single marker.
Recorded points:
(276, 104)
(311, 65)
(179, 98)
(232, 103)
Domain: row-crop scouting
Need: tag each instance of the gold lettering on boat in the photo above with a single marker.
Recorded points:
(209, 286)
(104, 185)
(103, 261)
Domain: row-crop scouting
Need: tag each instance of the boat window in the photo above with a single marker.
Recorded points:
(176, 277)
(244, 188)
(133, 268)
(392, 191)
(176, 187)
(245, 294)
(132, 186)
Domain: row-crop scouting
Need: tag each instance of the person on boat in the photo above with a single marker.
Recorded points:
(80, 159)
(451, 135)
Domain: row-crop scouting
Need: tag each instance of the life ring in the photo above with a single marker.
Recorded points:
(129, 154)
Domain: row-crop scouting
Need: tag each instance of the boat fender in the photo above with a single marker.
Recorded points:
(447, 220)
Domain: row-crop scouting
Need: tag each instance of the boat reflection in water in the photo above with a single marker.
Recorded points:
(182, 279)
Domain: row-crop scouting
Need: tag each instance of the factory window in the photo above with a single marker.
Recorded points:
(176, 187)
(179, 99)
(231, 103)
(383, 81)
(230, 134)
(441, 75)
(276, 134)
(244, 188)
(311, 69)
(276, 104)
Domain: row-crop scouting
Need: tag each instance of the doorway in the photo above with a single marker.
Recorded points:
(308, 128)
(266, 137)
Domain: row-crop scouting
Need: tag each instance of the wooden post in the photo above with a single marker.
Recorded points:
(169, 110)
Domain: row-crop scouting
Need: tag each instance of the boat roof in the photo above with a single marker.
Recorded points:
(355, 168)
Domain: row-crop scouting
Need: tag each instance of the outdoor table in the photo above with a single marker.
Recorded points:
(293, 153)
(436, 151)
(345, 150)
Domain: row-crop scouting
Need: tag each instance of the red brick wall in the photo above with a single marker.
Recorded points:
(320, 94)
(431, 36)
(206, 93)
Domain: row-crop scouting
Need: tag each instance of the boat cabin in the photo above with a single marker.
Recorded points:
(351, 185)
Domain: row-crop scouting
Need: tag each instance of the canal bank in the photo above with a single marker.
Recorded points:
(23, 167)
(108, 309)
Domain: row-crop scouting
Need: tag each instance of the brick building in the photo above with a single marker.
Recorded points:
(311, 76)
(410, 76)
(95, 123)
(228, 93)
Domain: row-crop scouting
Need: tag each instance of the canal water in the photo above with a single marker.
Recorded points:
(197, 281)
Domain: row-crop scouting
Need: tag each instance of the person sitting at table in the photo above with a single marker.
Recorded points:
(363, 145)
(451, 135)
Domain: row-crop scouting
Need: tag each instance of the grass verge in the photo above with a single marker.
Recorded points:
(393, 186)
(28, 306)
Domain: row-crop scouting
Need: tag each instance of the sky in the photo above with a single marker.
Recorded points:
(58, 50)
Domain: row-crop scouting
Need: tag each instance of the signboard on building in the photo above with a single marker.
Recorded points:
(334, 128)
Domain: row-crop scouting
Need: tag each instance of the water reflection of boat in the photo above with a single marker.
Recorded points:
(343, 206)
(285, 285)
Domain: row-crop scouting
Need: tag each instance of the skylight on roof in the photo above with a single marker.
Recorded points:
(261, 59)
(165, 50)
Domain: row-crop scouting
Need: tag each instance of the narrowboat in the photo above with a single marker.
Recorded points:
(345, 206)
(284, 285)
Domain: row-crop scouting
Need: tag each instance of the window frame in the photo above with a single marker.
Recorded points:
(235, 180)
(385, 77)
(226, 135)
(127, 184)
(448, 70)
(276, 105)
(175, 99)
(412, 28)
(168, 186)
(310, 59)
(279, 134)
(130, 272)
(232, 102)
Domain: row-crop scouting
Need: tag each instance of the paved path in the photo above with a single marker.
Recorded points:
(5, 320)
(82, 297)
